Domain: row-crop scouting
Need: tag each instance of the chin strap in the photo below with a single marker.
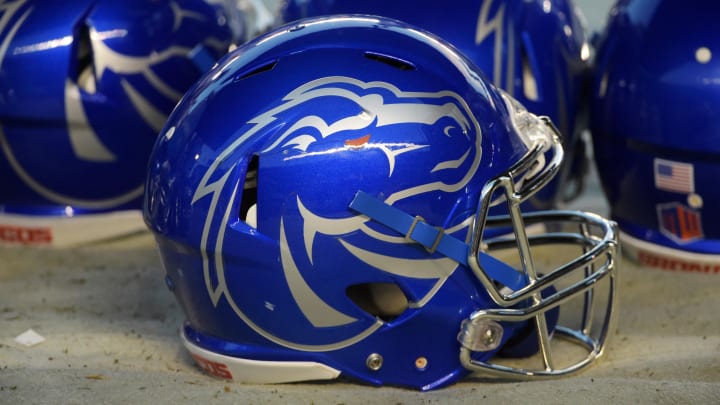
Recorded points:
(202, 58)
(433, 238)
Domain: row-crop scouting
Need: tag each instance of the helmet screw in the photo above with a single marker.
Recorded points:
(490, 336)
(480, 335)
(421, 363)
(374, 362)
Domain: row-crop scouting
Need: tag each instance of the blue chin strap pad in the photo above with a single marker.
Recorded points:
(434, 239)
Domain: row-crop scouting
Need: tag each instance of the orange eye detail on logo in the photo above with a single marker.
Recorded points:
(357, 142)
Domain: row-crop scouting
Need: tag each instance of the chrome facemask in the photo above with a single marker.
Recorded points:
(544, 289)
(533, 290)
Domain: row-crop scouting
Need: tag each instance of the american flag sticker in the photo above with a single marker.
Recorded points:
(674, 176)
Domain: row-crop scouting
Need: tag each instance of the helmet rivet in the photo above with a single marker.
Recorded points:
(421, 363)
(374, 362)
(695, 200)
(490, 336)
(480, 335)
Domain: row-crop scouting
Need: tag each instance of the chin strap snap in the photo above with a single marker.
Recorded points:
(434, 239)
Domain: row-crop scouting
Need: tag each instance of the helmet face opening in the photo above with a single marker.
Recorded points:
(318, 220)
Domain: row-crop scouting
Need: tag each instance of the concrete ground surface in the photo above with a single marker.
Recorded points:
(111, 336)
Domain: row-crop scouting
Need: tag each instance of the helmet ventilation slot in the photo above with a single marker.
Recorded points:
(385, 301)
(265, 67)
(248, 202)
(85, 70)
(390, 60)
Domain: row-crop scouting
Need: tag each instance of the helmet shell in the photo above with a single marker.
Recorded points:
(295, 123)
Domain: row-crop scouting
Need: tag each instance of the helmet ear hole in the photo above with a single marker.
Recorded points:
(383, 300)
(248, 202)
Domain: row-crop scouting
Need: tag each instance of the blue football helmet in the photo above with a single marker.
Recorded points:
(656, 130)
(537, 51)
(85, 86)
(320, 200)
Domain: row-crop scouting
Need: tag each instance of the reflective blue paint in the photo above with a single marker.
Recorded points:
(244, 304)
(249, 195)
(504, 37)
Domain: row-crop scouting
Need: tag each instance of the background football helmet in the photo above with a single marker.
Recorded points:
(536, 51)
(656, 130)
(85, 86)
(257, 14)
(320, 198)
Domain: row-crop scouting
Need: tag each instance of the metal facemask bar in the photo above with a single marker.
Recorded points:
(597, 239)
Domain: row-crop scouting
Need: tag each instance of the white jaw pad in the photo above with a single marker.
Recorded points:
(257, 371)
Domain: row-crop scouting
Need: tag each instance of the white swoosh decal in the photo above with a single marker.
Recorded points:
(418, 268)
(313, 307)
